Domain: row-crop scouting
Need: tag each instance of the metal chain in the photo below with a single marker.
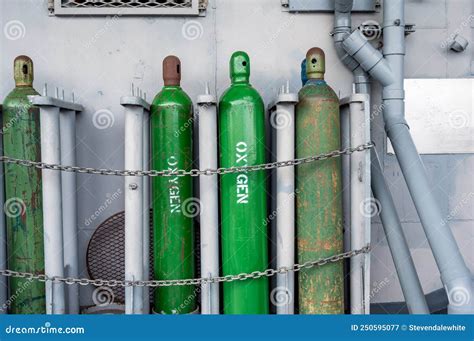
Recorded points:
(182, 172)
(184, 282)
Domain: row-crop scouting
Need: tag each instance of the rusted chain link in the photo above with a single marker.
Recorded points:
(184, 282)
(182, 172)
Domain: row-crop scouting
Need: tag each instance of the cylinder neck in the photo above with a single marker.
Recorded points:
(23, 71)
(315, 64)
(240, 68)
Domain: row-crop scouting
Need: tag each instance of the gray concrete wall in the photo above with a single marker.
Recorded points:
(98, 58)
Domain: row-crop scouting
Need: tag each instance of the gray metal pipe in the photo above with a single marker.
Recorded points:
(389, 71)
(67, 127)
(409, 280)
(342, 29)
(406, 271)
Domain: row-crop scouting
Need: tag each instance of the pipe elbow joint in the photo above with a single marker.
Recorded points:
(369, 58)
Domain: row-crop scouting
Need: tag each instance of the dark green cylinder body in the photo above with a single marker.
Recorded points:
(243, 195)
(23, 198)
(319, 196)
(173, 238)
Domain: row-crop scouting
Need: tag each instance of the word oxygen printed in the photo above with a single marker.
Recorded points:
(174, 192)
(242, 179)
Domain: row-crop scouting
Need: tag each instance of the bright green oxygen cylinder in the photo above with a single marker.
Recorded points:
(319, 192)
(23, 196)
(243, 195)
(173, 234)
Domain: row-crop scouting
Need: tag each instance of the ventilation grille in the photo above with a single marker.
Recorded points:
(127, 4)
(128, 7)
(106, 253)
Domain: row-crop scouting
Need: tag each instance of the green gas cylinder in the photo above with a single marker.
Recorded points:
(243, 195)
(173, 234)
(23, 196)
(319, 192)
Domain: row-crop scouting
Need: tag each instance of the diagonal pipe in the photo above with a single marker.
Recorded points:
(409, 281)
(388, 69)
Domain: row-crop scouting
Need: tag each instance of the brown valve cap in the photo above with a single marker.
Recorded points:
(172, 71)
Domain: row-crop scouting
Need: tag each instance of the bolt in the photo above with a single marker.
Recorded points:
(397, 22)
(133, 186)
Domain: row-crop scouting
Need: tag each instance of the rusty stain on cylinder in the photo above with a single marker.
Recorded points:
(318, 200)
(23, 189)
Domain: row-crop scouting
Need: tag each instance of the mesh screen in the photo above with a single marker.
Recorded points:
(126, 3)
(106, 253)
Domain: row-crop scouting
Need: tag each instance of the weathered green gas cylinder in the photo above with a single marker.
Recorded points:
(243, 195)
(318, 199)
(172, 201)
(23, 197)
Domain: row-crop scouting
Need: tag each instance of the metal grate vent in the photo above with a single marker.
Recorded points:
(106, 253)
(128, 7)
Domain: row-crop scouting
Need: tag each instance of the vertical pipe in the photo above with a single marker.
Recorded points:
(133, 209)
(52, 209)
(209, 198)
(146, 210)
(346, 196)
(454, 273)
(346, 174)
(359, 196)
(409, 281)
(3, 236)
(284, 123)
(67, 123)
(391, 223)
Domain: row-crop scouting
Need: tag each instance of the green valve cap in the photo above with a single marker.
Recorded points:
(315, 63)
(23, 71)
(240, 67)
